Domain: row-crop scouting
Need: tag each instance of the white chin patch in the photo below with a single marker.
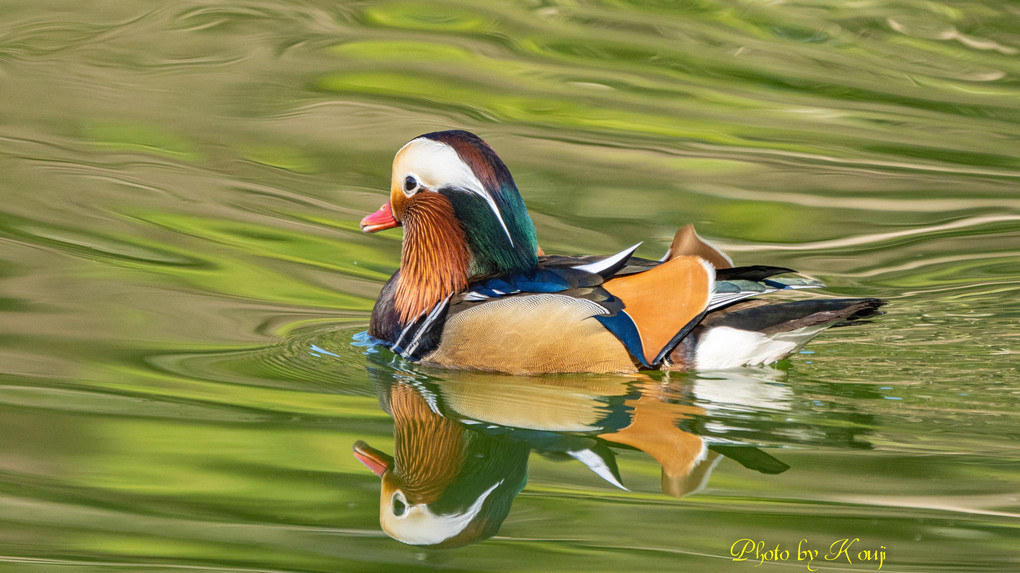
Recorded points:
(725, 347)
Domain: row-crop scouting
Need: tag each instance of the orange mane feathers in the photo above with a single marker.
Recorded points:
(435, 257)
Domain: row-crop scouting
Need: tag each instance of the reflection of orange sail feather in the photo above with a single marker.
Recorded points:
(653, 430)
(462, 444)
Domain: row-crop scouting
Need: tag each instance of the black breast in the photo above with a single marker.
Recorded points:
(385, 323)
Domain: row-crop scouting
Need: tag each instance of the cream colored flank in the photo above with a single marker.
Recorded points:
(531, 334)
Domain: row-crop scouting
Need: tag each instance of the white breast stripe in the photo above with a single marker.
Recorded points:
(425, 326)
(396, 343)
(424, 392)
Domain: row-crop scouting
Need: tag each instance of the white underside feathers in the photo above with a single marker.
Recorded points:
(726, 347)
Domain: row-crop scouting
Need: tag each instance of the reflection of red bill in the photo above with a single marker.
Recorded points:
(372, 458)
(381, 219)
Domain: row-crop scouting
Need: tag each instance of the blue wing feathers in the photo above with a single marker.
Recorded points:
(623, 327)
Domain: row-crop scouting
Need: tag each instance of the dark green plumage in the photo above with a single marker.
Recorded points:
(493, 253)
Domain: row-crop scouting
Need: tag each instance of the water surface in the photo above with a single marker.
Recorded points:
(183, 280)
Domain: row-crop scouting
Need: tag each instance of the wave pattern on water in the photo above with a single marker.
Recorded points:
(182, 273)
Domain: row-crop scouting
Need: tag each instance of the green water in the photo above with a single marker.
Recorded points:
(183, 281)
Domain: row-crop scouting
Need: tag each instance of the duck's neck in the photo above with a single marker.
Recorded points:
(435, 259)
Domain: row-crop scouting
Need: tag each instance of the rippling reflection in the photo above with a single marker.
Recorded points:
(462, 442)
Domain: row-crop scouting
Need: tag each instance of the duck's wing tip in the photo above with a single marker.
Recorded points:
(608, 266)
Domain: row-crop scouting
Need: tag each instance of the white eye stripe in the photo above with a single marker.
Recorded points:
(436, 165)
(419, 526)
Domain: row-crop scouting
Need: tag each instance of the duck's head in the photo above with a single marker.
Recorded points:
(446, 485)
(413, 511)
(449, 187)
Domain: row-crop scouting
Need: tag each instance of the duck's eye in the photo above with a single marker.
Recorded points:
(410, 184)
(399, 507)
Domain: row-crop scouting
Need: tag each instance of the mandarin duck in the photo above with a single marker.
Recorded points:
(462, 444)
(474, 290)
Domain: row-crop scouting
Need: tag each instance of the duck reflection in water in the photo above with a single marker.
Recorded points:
(462, 444)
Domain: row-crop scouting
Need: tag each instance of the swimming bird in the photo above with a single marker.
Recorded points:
(475, 291)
